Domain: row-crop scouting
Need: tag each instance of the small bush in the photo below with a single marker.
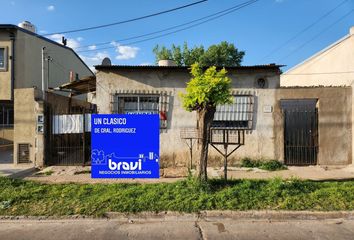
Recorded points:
(46, 173)
(82, 172)
(271, 165)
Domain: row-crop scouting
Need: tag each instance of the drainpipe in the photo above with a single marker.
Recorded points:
(43, 88)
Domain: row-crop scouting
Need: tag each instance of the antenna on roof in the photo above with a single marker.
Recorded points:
(63, 40)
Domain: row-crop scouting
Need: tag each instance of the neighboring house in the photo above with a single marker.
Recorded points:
(21, 84)
(333, 66)
(291, 125)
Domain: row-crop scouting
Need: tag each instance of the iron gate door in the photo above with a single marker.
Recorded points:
(67, 130)
(68, 138)
(300, 132)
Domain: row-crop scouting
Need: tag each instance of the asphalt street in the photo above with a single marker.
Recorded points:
(221, 229)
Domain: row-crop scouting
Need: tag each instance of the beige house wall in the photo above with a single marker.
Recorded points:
(26, 108)
(5, 75)
(259, 142)
(334, 122)
(28, 70)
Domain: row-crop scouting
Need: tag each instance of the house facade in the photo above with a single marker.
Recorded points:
(23, 75)
(259, 109)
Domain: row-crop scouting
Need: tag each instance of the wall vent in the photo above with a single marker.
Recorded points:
(23, 153)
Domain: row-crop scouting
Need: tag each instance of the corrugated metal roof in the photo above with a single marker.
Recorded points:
(102, 67)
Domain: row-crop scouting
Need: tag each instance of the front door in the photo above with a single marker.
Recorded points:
(300, 132)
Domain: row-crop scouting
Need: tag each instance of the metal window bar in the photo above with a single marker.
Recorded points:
(142, 104)
(6, 115)
(237, 115)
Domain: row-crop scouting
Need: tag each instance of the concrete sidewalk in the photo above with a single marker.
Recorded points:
(90, 229)
(79, 174)
(16, 171)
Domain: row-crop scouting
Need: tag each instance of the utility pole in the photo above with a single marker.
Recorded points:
(43, 87)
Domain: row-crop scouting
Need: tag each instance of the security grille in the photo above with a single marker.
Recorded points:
(23, 153)
(237, 115)
(142, 103)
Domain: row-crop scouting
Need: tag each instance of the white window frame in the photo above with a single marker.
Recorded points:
(4, 68)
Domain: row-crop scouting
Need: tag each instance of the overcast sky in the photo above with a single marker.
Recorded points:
(257, 29)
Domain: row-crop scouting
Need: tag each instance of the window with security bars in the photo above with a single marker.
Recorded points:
(237, 115)
(140, 104)
(6, 115)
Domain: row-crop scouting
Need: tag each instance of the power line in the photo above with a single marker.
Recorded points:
(304, 30)
(316, 36)
(165, 29)
(127, 21)
(216, 15)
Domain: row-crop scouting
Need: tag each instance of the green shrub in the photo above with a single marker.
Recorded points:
(270, 165)
(247, 162)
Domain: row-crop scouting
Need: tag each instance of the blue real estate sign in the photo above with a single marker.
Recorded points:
(125, 145)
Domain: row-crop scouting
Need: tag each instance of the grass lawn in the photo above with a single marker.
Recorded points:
(19, 197)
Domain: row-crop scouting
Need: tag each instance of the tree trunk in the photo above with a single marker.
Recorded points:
(205, 119)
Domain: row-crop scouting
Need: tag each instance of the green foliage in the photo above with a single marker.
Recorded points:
(270, 165)
(82, 172)
(18, 197)
(46, 173)
(208, 88)
(223, 54)
(162, 53)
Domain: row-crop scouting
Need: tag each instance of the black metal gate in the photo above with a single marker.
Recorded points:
(68, 134)
(300, 132)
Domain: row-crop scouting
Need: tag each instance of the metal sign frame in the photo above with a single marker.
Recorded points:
(229, 136)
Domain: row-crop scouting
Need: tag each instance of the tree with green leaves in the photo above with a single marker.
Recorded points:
(204, 91)
(222, 54)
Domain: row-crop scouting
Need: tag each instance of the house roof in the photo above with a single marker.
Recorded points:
(254, 67)
(11, 26)
(82, 86)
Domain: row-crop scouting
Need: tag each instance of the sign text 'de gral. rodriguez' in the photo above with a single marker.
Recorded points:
(116, 121)
(125, 146)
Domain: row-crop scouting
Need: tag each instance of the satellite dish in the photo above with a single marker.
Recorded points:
(106, 62)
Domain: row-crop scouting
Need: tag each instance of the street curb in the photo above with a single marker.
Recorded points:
(169, 216)
(230, 215)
